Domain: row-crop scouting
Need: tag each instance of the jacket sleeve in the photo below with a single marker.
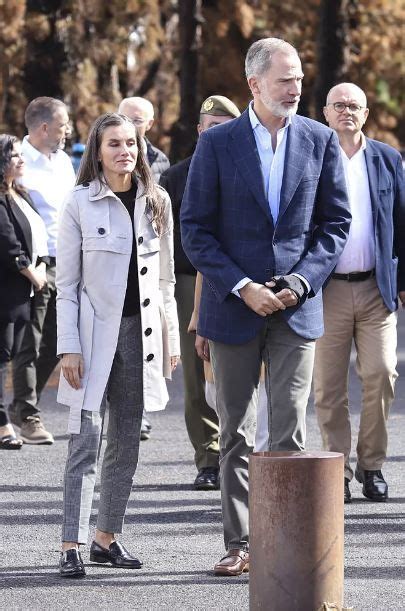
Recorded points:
(68, 278)
(12, 254)
(167, 279)
(399, 224)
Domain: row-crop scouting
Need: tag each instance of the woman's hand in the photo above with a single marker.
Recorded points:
(35, 275)
(174, 361)
(73, 369)
(38, 280)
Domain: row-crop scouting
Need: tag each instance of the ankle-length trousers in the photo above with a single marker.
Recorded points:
(124, 399)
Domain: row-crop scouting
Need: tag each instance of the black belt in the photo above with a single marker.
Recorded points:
(355, 276)
(52, 261)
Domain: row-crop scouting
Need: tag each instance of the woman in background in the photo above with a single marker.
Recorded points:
(117, 330)
(23, 258)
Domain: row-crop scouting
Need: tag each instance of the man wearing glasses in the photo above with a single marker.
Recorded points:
(141, 111)
(361, 297)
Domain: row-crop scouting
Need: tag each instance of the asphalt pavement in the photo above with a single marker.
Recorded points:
(176, 530)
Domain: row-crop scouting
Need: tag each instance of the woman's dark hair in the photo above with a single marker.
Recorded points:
(6, 150)
(90, 167)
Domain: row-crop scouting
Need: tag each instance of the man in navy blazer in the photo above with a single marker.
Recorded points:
(264, 218)
(361, 298)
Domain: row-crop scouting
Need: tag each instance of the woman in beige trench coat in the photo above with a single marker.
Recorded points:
(117, 329)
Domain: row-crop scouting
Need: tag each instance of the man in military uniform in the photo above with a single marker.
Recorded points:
(201, 420)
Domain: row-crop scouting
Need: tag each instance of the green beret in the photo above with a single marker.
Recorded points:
(219, 106)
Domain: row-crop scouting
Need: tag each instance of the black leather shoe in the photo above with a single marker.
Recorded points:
(347, 495)
(207, 479)
(116, 554)
(375, 487)
(71, 564)
(146, 428)
(146, 423)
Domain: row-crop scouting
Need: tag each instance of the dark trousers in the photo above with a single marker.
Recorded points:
(11, 334)
(36, 359)
(201, 420)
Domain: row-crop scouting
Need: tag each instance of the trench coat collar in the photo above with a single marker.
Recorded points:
(99, 189)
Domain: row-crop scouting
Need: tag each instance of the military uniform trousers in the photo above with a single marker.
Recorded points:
(356, 311)
(124, 398)
(201, 419)
(289, 362)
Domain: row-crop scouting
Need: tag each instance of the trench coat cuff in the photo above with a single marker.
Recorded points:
(174, 346)
(68, 346)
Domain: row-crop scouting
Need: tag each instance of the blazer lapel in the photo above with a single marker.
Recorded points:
(299, 148)
(373, 171)
(243, 150)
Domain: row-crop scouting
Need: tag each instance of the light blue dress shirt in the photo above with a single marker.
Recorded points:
(271, 162)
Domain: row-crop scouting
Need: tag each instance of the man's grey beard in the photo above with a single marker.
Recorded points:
(278, 110)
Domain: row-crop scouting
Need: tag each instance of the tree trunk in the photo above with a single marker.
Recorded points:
(184, 130)
(333, 50)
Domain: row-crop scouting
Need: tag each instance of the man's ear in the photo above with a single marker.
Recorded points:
(199, 128)
(149, 125)
(254, 86)
(325, 113)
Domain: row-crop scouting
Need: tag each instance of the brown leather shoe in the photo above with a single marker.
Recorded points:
(234, 563)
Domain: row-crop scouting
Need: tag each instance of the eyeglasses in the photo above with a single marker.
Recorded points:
(340, 107)
(139, 121)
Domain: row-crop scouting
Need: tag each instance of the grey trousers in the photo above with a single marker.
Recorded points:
(201, 420)
(124, 394)
(36, 359)
(289, 362)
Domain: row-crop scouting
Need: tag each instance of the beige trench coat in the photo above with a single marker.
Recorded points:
(94, 249)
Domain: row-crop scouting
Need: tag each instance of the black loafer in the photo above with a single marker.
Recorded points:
(207, 479)
(375, 488)
(116, 554)
(71, 564)
(347, 495)
(146, 428)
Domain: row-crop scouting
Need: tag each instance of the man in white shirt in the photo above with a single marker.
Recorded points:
(361, 297)
(48, 177)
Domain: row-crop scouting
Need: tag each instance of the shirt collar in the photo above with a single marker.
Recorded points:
(30, 150)
(254, 119)
(35, 154)
(362, 148)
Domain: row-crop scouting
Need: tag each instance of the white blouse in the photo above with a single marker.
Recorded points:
(38, 230)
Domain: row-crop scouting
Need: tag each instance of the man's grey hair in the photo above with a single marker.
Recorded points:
(41, 110)
(260, 54)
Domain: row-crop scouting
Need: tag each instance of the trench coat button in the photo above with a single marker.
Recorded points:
(140, 240)
(143, 271)
(150, 357)
(101, 230)
(146, 302)
(148, 331)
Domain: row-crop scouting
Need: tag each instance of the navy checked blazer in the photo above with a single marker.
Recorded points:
(386, 181)
(228, 231)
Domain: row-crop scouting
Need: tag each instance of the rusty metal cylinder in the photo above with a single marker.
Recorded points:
(296, 524)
